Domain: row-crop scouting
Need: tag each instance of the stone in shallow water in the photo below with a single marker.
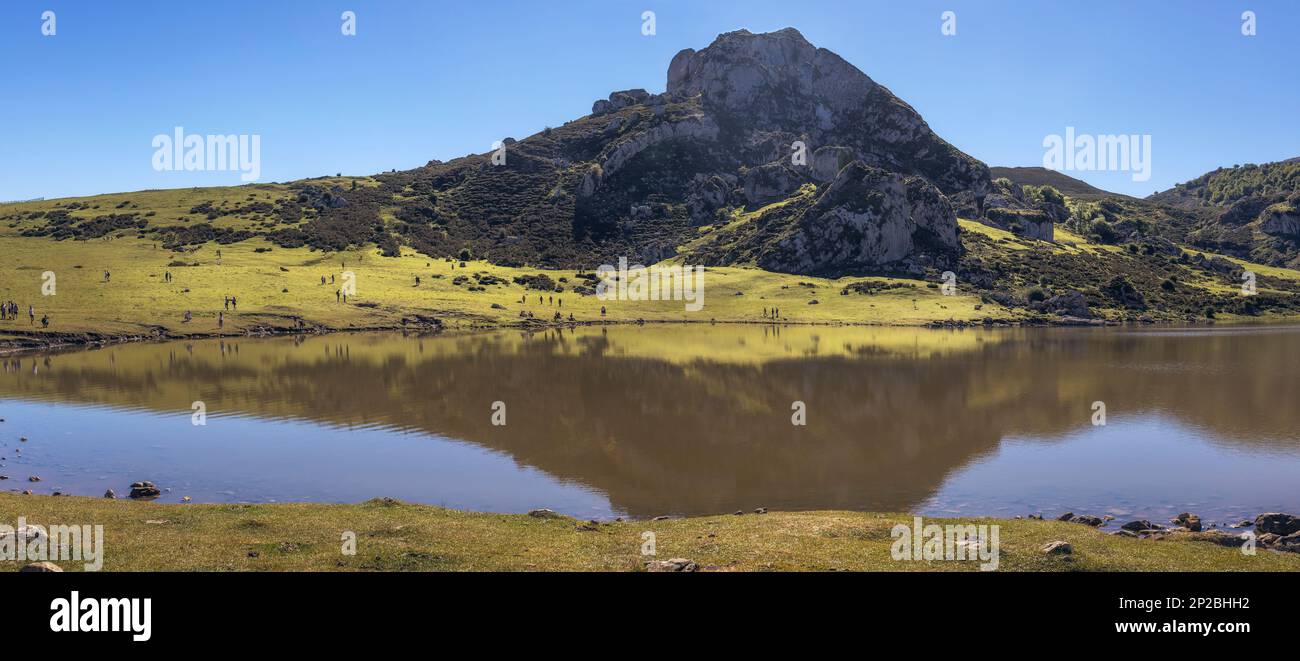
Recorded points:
(1140, 526)
(1277, 523)
(1188, 521)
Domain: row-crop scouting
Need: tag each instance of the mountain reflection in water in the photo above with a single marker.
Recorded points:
(696, 419)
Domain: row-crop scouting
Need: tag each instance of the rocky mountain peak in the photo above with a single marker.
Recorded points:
(777, 86)
(740, 70)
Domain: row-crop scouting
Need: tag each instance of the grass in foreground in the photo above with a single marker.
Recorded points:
(394, 536)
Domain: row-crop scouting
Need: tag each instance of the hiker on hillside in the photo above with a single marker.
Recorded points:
(227, 300)
(337, 293)
(417, 281)
(31, 315)
(233, 303)
(602, 310)
(221, 319)
(187, 317)
(45, 321)
(322, 280)
(107, 275)
(550, 300)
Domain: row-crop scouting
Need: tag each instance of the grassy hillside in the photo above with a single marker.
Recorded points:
(1225, 187)
(394, 536)
(274, 285)
(1001, 278)
(1247, 211)
(1038, 176)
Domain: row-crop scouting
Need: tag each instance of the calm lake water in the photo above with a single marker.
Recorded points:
(641, 422)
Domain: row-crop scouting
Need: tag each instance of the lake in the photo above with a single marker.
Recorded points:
(680, 419)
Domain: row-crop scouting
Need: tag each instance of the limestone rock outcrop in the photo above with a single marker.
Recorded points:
(866, 220)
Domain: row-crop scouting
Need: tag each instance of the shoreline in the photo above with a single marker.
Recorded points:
(391, 535)
(59, 341)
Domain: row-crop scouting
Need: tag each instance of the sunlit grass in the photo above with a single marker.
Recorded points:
(395, 536)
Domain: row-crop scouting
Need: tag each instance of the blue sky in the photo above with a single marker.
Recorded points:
(427, 79)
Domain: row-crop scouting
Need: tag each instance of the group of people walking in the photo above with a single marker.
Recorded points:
(9, 311)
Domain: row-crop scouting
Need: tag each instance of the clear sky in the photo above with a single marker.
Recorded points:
(426, 79)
